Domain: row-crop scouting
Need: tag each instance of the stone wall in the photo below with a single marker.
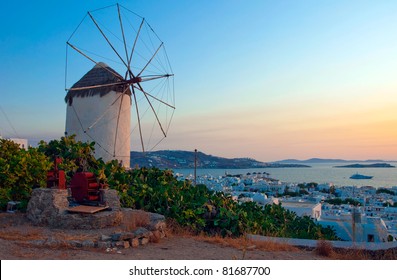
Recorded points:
(48, 207)
(131, 228)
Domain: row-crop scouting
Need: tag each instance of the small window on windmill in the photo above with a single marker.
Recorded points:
(70, 101)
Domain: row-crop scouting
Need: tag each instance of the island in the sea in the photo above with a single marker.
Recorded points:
(373, 165)
(186, 159)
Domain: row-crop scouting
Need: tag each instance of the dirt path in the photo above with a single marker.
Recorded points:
(20, 240)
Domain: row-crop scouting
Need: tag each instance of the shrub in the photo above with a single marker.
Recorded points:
(20, 171)
(324, 248)
(196, 207)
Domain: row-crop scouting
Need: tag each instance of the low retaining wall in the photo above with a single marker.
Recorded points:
(336, 244)
(49, 207)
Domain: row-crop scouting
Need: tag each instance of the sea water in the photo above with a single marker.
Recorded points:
(319, 173)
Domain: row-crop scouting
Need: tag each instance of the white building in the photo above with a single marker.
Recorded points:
(351, 224)
(325, 187)
(303, 207)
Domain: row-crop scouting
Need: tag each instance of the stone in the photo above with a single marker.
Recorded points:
(142, 232)
(52, 242)
(105, 237)
(116, 237)
(133, 219)
(156, 217)
(122, 244)
(76, 243)
(104, 244)
(88, 244)
(122, 236)
(46, 205)
(162, 234)
(134, 242)
(126, 244)
(143, 241)
(157, 222)
(156, 236)
(157, 225)
(112, 199)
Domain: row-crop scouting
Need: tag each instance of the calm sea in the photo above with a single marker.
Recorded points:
(319, 173)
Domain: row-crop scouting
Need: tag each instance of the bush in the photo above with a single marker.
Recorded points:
(20, 171)
(203, 210)
(76, 155)
(156, 190)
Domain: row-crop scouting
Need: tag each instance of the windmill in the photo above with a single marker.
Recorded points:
(129, 81)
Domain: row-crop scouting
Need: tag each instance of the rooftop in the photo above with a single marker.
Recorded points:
(100, 74)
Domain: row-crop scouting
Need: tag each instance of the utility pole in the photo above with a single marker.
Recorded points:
(354, 223)
(195, 167)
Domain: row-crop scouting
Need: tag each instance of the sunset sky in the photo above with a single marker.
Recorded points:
(268, 80)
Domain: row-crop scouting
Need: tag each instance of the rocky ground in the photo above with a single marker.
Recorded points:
(19, 239)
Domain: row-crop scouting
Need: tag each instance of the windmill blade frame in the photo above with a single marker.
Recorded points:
(129, 60)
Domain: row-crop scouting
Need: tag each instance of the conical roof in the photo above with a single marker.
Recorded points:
(100, 74)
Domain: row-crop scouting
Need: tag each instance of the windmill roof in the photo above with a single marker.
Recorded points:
(100, 74)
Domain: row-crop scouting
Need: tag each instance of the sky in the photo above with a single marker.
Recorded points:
(268, 80)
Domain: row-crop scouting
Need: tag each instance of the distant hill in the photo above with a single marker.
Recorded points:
(185, 159)
(374, 165)
(326, 160)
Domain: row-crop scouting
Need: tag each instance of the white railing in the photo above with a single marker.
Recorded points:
(373, 246)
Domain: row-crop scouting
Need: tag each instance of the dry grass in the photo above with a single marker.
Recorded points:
(175, 229)
(350, 254)
(76, 236)
(325, 249)
(360, 254)
(245, 244)
(241, 243)
(14, 235)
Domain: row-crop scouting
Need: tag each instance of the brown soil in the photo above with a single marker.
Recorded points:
(19, 239)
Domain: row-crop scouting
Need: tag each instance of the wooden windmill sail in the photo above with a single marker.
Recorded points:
(128, 98)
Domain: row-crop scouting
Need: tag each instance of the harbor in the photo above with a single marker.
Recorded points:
(357, 213)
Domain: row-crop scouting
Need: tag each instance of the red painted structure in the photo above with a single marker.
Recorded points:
(86, 189)
(56, 178)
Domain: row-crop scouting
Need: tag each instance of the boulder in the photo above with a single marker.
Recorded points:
(142, 232)
(134, 243)
(122, 236)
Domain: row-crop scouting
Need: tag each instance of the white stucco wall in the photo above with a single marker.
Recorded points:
(368, 226)
(94, 118)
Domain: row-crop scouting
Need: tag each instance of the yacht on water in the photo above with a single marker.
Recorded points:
(360, 176)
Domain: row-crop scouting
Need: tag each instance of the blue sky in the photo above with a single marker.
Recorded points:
(262, 79)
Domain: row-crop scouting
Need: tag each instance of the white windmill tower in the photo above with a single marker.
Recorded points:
(135, 75)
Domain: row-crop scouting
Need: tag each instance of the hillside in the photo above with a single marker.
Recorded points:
(326, 160)
(185, 159)
(374, 165)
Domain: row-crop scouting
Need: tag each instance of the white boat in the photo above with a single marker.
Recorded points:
(360, 176)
